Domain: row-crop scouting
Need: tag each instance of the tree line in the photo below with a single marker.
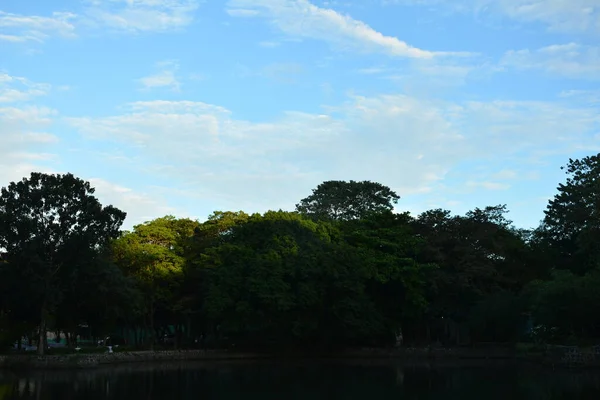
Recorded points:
(341, 270)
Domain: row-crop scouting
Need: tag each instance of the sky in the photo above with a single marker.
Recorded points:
(184, 107)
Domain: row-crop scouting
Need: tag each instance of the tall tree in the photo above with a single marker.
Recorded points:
(396, 283)
(98, 296)
(341, 200)
(478, 254)
(208, 236)
(50, 226)
(281, 279)
(569, 303)
(572, 218)
(153, 255)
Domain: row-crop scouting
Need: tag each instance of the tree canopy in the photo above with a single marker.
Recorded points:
(572, 218)
(51, 227)
(341, 200)
(342, 270)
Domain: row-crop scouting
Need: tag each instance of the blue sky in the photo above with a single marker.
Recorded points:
(185, 106)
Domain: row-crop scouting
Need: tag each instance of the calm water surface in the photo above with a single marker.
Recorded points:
(315, 380)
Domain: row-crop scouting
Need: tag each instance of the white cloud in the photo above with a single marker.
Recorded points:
(570, 60)
(18, 89)
(142, 15)
(434, 72)
(25, 145)
(140, 207)
(587, 97)
(558, 15)
(407, 143)
(302, 19)
(23, 28)
(267, 43)
(506, 174)
(241, 12)
(189, 131)
(282, 72)
(16, 38)
(372, 70)
(165, 77)
(518, 126)
(132, 16)
(488, 185)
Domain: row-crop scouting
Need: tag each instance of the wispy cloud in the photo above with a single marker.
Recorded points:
(28, 146)
(570, 60)
(488, 185)
(434, 72)
(140, 206)
(372, 70)
(142, 15)
(133, 16)
(24, 28)
(258, 165)
(241, 12)
(506, 174)
(300, 18)
(18, 89)
(283, 72)
(25, 146)
(165, 77)
(558, 15)
(575, 16)
(588, 97)
(524, 126)
(269, 43)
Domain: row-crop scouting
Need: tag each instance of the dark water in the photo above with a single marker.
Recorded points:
(305, 381)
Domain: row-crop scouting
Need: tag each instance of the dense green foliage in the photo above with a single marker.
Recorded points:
(53, 230)
(339, 200)
(342, 270)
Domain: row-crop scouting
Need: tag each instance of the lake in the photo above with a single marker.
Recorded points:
(304, 380)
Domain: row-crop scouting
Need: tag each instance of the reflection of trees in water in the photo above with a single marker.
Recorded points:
(304, 380)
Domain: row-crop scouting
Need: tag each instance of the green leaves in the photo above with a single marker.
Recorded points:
(343, 270)
(51, 210)
(568, 303)
(572, 218)
(52, 227)
(340, 200)
(153, 256)
(281, 275)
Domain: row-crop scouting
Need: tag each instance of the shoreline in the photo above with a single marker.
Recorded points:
(557, 356)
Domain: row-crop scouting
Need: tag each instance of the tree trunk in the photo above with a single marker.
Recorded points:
(41, 349)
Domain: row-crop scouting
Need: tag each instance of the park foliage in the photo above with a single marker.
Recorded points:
(344, 269)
